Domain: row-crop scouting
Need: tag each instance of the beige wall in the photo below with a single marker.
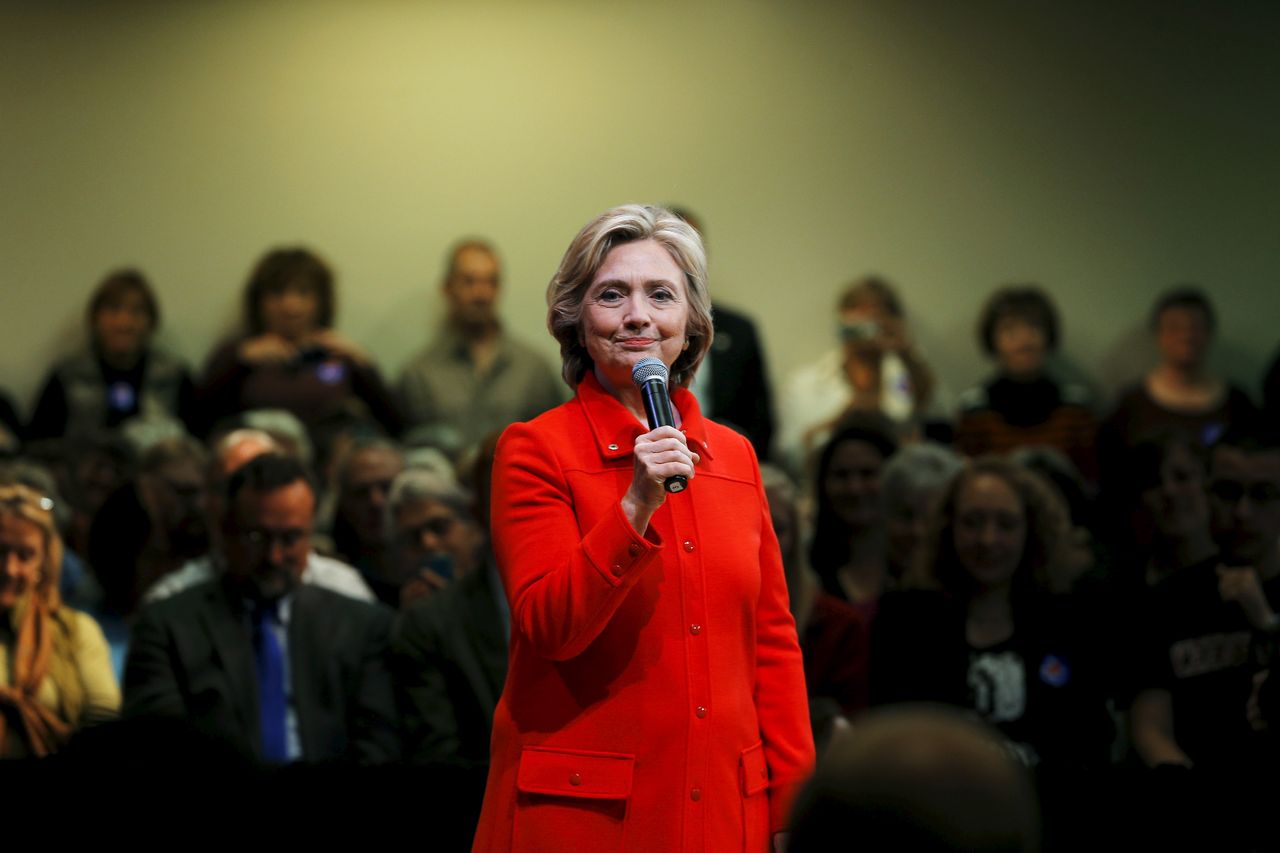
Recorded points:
(952, 146)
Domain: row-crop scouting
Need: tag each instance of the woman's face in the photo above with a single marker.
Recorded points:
(990, 530)
(637, 306)
(1021, 346)
(1182, 336)
(852, 483)
(21, 558)
(292, 312)
(122, 326)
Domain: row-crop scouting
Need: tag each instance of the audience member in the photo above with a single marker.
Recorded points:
(362, 484)
(230, 453)
(55, 672)
(89, 468)
(849, 550)
(435, 538)
(979, 627)
(1024, 404)
(450, 647)
(1165, 517)
(920, 779)
(291, 357)
(1179, 394)
(732, 385)
(833, 636)
(911, 483)
(875, 368)
(474, 378)
(1212, 625)
(151, 525)
(76, 583)
(120, 375)
(281, 670)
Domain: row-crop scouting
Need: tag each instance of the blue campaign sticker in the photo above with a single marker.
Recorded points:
(1054, 671)
(121, 397)
(331, 372)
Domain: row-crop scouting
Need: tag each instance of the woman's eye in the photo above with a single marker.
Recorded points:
(662, 296)
(609, 295)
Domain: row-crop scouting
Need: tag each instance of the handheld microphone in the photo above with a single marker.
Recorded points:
(650, 376)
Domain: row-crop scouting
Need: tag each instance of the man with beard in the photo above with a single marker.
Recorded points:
(281, 670)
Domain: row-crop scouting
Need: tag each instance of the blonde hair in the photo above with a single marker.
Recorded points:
(46, 637)
(19, 501)
(586, 255)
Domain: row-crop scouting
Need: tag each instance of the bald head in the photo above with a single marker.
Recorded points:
(239, 446)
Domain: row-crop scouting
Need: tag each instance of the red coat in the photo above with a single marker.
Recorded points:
(655, 698)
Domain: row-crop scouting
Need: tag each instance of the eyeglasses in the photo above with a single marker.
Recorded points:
(1259, 494)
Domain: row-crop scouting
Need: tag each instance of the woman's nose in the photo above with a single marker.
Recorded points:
(637, 310)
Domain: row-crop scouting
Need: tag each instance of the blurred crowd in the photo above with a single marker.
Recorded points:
(1096, 583)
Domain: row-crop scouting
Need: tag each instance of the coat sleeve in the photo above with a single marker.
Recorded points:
(150, 682)
(563, 584)
(781, 699)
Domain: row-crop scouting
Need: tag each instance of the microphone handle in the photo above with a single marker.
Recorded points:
(657, 408)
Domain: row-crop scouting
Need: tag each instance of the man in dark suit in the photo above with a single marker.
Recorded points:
(281, 671)
(740, 396)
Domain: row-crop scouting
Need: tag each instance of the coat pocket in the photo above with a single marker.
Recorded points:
(572, 800)
(753, 773)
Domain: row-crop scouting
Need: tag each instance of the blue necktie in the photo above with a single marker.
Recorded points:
(272, 699)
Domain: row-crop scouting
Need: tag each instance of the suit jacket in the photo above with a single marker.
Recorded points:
(655, 698)
(740, 395)
(192, 656)
(450, 660)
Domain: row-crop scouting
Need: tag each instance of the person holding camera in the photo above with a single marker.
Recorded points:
(292, 357)
(874, 369)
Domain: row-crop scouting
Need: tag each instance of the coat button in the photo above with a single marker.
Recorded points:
(700, 711)
(613, 447)
(688, 544)
(633, 549)
(695, 794)
(695, 629)
(616, 568)
(575, 779)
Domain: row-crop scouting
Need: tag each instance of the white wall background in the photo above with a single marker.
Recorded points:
(1106, 150)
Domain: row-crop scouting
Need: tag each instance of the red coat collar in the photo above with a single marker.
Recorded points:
(615, 428)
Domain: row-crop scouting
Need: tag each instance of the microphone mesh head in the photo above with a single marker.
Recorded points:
(647, 370)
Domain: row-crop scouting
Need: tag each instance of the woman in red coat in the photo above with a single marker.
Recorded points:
(655, 698)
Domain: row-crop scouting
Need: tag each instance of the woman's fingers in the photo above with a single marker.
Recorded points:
(659, 455)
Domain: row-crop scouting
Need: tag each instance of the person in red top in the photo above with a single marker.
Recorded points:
(655, 698)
